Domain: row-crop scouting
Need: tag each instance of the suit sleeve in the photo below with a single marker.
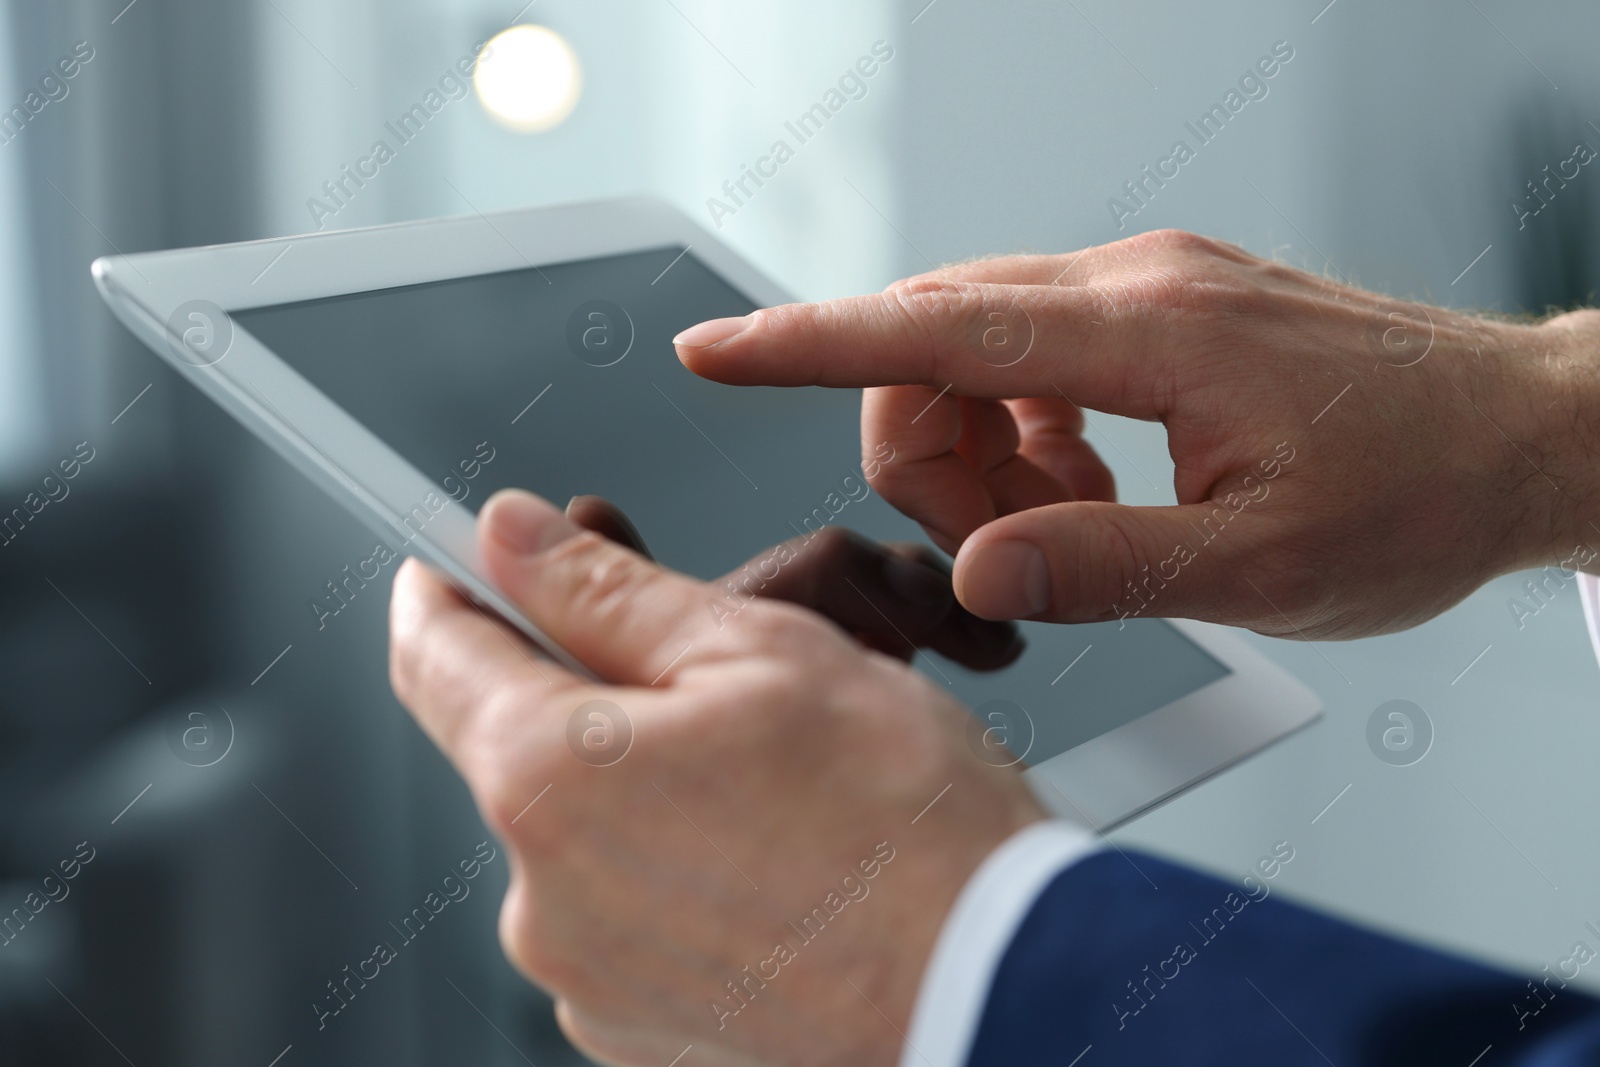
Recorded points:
(1124, 958)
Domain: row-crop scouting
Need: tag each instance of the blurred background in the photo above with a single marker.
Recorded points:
(237, 868)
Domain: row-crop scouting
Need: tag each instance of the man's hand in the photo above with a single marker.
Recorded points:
(743, 873)
(1346, 465)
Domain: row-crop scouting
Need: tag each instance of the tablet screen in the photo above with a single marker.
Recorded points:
(562, 379)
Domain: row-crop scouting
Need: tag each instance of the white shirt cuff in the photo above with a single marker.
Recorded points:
(1589, 594)
(976, 934)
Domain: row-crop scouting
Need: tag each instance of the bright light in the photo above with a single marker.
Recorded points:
(529, 78)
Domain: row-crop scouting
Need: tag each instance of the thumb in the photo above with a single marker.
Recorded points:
(622, 616)
(1089, 561)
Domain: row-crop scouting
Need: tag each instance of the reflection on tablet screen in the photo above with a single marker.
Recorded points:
(566, 376)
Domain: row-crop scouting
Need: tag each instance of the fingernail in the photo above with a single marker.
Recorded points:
(917, 583)
(1006, 580)
(524, 523)
(710, 333)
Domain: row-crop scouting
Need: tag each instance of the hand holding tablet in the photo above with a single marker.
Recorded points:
(812, 764)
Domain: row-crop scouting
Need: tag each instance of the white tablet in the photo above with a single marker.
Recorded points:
(412, 370)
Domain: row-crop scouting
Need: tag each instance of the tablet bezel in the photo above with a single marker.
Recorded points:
(1100, 782)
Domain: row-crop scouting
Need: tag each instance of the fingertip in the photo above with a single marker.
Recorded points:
(1003, 579)
(403, 595)
(601, 516)
(711, 349)
(416, 587)
(708, 363)
(518, 523)
(1096, 482)
(920, 584)
(409, 570)
(703, 364)
(992, 644)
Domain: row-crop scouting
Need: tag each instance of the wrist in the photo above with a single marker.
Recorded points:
(943, 876)
(1560, 440)
(978, 931)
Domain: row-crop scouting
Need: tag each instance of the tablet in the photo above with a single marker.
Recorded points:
(413, 370)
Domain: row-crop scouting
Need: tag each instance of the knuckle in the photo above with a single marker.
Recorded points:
(830, 549)
(528, 943)
(596, 579)
(501, 798)
(781, 634)
(586, 1029)
(1107, 550)
(942, 317)
(787, 684)
(928, 292)
(877, 475)
(769, 625)
(893, 482)
(900, 285)
(1189, 273)
(412, 669)
(503, 770)
(936, 305)
(405, 646)
(401, 669)
(1167, 241)
(791, 319)
(1194, 291)
(787, 693)
(1582, 321)
(776, 318)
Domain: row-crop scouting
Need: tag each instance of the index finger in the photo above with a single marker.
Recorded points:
(977, 339)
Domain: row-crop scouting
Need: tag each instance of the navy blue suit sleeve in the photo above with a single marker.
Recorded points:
(1127, 959)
